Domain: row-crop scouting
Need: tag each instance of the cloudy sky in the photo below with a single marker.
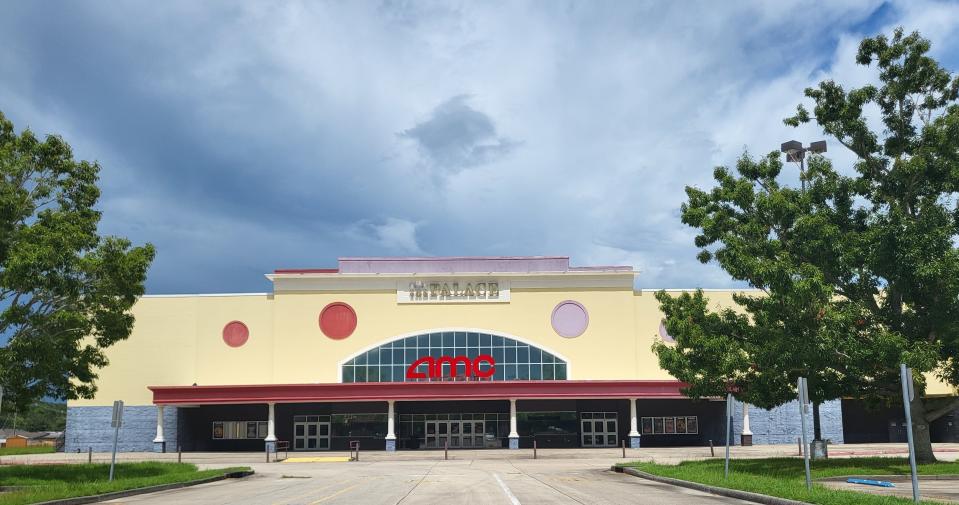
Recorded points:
(243, 137)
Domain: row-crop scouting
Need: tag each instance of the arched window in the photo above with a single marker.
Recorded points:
(514, 360)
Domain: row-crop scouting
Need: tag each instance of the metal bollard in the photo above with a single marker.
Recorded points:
(89, 455)
(355, 445)
(799, 444)
(179, 454)
(712, 451)
(534, 448)
(446, 449)
(624, 448)
(267, 451)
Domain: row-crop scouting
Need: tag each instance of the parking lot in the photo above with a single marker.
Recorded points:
(459, 481)
(563, 476)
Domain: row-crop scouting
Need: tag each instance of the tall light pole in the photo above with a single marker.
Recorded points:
(796, 153)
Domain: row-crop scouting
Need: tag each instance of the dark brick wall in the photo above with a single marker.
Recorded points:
(192, 427)
(946, 428)
(710, 416)
(782, 424)
(863, 423)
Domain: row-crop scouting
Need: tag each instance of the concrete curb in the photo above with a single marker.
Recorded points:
(721, 491)
(79, 500)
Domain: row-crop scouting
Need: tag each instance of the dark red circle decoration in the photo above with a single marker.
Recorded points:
(338, 320)
(235, 333)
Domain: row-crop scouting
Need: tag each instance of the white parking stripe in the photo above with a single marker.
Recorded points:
(509, 494)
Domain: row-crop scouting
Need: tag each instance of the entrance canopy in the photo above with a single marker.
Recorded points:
(415, 391)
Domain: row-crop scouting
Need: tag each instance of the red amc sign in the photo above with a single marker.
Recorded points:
(471, 367)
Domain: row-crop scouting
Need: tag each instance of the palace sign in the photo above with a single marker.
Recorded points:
(477, 290)
(434, 367)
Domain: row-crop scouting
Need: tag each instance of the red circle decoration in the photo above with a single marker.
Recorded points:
(338, 320)
(235, 333)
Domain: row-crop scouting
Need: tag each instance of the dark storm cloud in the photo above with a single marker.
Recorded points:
(457, 136)
(110, 82)
(130, 87)
(242, 137)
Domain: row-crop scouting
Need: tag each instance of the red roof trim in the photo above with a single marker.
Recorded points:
(306, 271)
(368, 391)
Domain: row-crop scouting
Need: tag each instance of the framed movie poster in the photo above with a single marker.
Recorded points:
(647, 425)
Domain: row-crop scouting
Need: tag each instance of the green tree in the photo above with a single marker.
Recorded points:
(775, 238)
(39, 416)
(859, 272)
(65, 291)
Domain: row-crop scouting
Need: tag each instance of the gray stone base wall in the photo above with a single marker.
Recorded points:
(781, 425)
(89, 427)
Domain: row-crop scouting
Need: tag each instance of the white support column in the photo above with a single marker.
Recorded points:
(633, 425)
(390, 426)
(747, 435)
(513, 434)
(270, 439)
(159, 443)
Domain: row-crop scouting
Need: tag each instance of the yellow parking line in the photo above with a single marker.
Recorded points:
(318, 459)
(327, 497)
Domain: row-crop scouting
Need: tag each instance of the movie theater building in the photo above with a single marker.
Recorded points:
(406, 354)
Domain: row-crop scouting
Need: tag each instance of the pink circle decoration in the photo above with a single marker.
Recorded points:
(235, 333)
(337, 320)
(569, 319)
(664, 334)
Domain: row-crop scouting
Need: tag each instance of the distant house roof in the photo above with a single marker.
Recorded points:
(9, 433)
(38, 435)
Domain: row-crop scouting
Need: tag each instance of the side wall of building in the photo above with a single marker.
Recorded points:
(782, 425)
(89, 428)
(865, 423)
(177, 340)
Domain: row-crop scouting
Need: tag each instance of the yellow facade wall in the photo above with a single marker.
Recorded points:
(647, 318)
(526, 316)
(177, 340)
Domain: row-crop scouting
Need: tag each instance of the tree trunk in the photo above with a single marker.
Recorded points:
(920, 432)
(816, 425)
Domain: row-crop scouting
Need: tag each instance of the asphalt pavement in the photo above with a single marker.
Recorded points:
(478, 482)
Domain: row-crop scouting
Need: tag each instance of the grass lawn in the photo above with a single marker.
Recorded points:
(785, 477)
(50, 482)
(37, 449)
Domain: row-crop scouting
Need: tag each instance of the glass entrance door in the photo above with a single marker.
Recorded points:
(459, 434)
(599, 429)
(437, 434)
(472, 434)
(455, 430)
(311, 436)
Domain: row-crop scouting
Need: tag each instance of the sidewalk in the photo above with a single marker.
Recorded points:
(939, 488)
(947, 452)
